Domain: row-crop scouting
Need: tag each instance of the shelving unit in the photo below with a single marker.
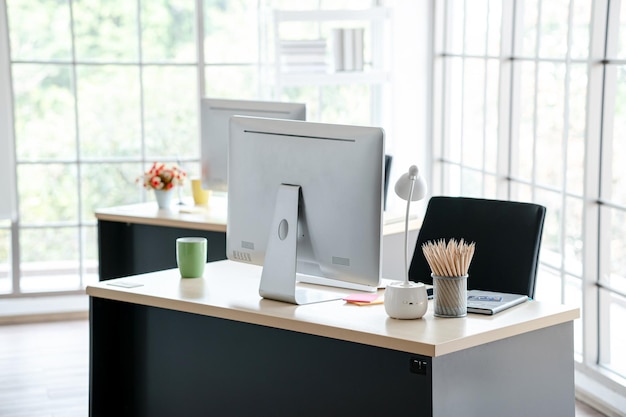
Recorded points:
(377, 41)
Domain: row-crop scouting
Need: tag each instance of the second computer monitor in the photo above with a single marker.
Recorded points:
(215, 118)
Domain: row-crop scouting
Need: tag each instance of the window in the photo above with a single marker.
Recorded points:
(530, 105)
(101, 89)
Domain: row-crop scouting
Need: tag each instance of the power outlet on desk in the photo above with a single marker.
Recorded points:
(418, 366)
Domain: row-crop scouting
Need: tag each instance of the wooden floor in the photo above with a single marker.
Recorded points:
(44, 370)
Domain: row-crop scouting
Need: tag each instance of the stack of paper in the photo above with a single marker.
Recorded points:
(303, 55)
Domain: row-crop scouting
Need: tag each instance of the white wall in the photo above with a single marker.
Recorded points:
(411, 113)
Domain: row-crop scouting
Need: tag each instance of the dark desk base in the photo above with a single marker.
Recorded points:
(127, 249)
(147, 361)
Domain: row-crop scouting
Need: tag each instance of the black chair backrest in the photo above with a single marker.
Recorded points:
(507, 236)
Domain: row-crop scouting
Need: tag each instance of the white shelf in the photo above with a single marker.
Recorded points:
(330, 78)
(376, 23)
(375, 13)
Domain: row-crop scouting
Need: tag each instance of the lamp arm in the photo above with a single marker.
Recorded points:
(406, 232)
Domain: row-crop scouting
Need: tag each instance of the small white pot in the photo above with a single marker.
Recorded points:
(406, 300)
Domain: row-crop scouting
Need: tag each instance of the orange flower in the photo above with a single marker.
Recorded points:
(162, 176)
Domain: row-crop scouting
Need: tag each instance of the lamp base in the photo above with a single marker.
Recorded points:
(406, 300)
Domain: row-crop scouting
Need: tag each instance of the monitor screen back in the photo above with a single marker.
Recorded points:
(215, 117)
(340, 171)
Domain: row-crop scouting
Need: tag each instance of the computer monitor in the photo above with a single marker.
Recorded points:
(215, 116)
(305, 201)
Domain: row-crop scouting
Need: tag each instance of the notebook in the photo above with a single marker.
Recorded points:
(488, 302)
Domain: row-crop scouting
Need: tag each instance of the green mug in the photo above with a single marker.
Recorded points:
(191, 255)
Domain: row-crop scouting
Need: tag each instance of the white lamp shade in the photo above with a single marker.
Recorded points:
(403, 185)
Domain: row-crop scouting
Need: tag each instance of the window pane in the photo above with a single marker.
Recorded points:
(6, 283)
(304, 94)
(224, 39)
(476, 27)
(551, 241)
(109, 111)
(490, 186)
(573, 297)
(473, 113)
(346, 104)
(452, 181)
(523, 154)
(107, 185)
(231, 81)
(49, 259)
(90, 260)
(40, 31)
(618, 150)
(577, 129)
(617, 227)
(105, 31)
(44, 112)
(554, 18)
(613, 338)
(170, 112)
(548, 286)
(521, 192)
(454, 123)
(167, 31)
(47, 193)
(529, 13)
(471, 183)
(492, 115)
(621, 36)
(550, 101)
(580, 30)
(573, 236)
(455, 26)
(495, 27)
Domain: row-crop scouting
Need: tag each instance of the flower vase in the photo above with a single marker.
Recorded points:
(163, 198)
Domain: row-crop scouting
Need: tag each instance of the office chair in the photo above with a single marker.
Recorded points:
(507, 236)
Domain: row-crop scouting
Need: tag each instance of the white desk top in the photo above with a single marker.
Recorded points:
(229, 290)
(211, 217)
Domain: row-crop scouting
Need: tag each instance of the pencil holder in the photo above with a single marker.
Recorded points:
(450, 296)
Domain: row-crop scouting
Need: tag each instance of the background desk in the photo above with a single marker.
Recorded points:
(212, 346)
(139, 238)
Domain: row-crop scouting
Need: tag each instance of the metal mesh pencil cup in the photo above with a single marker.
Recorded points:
(450, 296)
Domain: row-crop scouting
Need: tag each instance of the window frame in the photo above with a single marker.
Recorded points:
(595, 228)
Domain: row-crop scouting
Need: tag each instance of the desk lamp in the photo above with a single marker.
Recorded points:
(407, 299)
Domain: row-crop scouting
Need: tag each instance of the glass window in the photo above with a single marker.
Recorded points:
(103, 89)
(44, 35)
(45, 120)
(168, 31)
(109, 112)
(105, 31)
(559, 141)
(6, 273)
(170, 107)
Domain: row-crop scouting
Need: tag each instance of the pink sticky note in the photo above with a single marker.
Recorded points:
(361, 298)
